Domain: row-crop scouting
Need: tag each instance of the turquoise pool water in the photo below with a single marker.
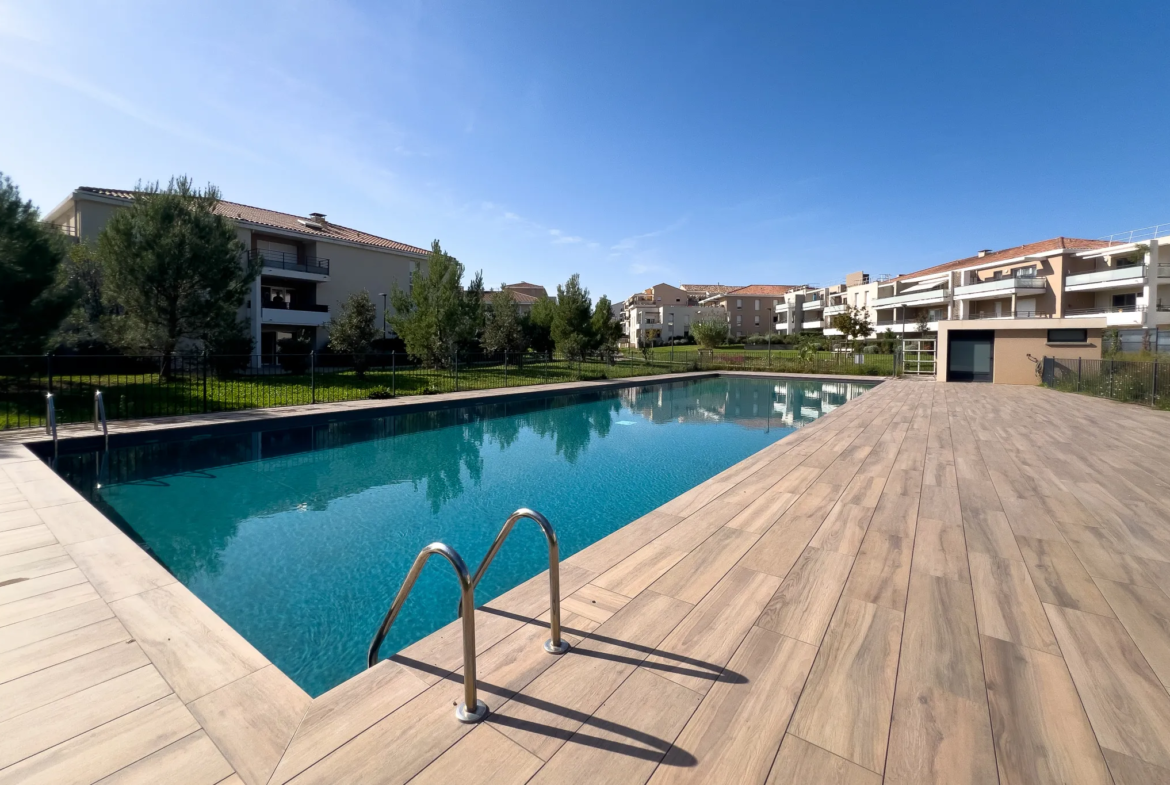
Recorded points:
(300, 537)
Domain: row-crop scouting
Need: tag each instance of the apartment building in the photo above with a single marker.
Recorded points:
(524, 294)
(310, 265)
(662, 314)
(750, 310)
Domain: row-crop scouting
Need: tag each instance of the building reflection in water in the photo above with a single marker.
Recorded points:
(764, 405)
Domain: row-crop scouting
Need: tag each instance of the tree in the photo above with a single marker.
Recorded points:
(853, 323)
(572, 318)
(922, 321)
(537, 324)
(174, 268)
(503, 332)
(710, 333)
(605, 329)
(32, 305)
(85, 326)
(354, 329)
(435, 315)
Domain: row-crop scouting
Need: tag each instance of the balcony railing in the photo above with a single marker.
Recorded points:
(282, 260)
(66, 229)
(1004, 285)
(1114, 274)
(296, 307)
(929, 295)
(1012, 315)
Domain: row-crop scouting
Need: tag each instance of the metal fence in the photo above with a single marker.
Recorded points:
(137, 387)
(1128, 381)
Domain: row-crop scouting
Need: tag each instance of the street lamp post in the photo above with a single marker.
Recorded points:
(385, 334)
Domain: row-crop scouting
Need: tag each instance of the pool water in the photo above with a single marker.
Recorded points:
(300, 537)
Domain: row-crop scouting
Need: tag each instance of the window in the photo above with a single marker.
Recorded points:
(1068, 336)
(757, 305)
(1125, 301)
(757, 321)
(775, 319)
(1025, 272)
(738, 304)
(738, 321)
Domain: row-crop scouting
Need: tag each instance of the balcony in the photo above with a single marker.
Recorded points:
(781, 307)
(812, 305)
(1125, 316)
(290, 265)
(817, 324)
(1001, 287)
(295, 315)
(926, 297)
(1011, 315)
(1112, 278)
(833, 310)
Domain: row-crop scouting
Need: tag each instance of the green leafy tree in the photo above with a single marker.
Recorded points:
(922, 321)
(605, 329)
(538, 324)
(174, 268)
(435, 316)
(503, 331)
(85, 327)
(572, 317)
(853, 323)
(32, 304)
(710, 333)
(354, 329)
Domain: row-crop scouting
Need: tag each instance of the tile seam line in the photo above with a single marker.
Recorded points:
(98, 726)
(96, 683)
(129, 639)
(95, 727)
(83, 582)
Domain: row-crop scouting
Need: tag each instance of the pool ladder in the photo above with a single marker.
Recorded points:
(99, 416)
(473, 709)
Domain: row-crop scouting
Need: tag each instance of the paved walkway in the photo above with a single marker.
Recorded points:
(933, 584)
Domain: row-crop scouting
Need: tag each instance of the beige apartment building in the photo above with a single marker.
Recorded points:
(751, 310)
(662, 314)
(524, 294)
(310, 265)
(996, 314)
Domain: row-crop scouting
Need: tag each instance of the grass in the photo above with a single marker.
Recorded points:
(136, 396)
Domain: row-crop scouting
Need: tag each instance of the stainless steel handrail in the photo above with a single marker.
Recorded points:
(478, 709)
(99, 416)
(51, 420)
(553, 645)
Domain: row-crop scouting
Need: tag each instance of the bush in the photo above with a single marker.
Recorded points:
(380, 394)
(231, 352)
(293, 354)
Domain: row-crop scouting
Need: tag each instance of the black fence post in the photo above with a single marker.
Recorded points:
(456, 362)
(394, 373)
(1111, 378)
(1154, 385)
(505, 368)
(1078, 373)
(313, 374)
(49, 369)
(204, 369)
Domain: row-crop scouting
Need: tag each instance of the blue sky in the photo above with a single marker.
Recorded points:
(632, 142)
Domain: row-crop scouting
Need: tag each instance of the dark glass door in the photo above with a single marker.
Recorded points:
(970, 355)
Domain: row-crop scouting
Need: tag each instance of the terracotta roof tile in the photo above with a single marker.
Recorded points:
(762, 288)
(285, 222)
(708, 288)
(1056, 243)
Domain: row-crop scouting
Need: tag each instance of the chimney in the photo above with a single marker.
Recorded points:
(317, 218)
(982, 253)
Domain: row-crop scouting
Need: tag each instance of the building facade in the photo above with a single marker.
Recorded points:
(309, 264)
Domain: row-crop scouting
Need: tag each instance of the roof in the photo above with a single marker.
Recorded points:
(709, 288)
(285, 222)
(517, 297)
(762, 288)
(1055, 244)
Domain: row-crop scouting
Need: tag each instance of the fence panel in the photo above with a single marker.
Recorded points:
(136, 387)
(1127, 381)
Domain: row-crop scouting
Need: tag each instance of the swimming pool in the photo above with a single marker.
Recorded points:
(300, 536)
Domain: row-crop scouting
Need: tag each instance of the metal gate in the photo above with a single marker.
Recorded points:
(918, 356)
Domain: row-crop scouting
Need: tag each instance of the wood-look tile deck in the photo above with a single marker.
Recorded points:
(933, 584)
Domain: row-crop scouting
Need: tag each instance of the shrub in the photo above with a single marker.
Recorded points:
(293, 354)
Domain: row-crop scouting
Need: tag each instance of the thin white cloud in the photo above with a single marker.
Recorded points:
(628, 244)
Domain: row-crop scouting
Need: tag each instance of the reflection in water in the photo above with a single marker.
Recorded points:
(298, 537)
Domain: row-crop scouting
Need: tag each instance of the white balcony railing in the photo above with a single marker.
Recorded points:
(812, 305)
(1001, 287)
(1101, 279)
(922, 298)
